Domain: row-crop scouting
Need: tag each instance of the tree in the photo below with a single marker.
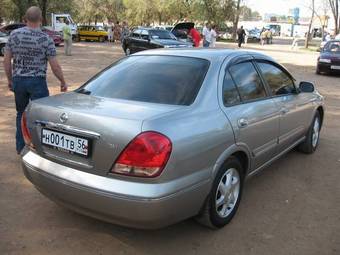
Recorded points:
(308, 36)
(334, 4)
(236, 18)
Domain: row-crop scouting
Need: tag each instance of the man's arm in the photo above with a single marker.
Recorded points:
(8, 67)
(56, 69)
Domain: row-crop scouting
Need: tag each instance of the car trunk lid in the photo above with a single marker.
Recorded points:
(108, 124)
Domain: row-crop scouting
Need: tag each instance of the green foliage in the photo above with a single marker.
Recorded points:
(136, 12)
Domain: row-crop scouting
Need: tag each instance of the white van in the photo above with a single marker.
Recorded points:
(58, 22)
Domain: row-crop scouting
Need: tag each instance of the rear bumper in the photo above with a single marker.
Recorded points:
(114, 200)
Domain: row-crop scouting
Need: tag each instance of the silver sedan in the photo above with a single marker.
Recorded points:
(165, 135)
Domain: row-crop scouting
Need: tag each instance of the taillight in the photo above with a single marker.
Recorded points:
(25, 131)
(145, 156)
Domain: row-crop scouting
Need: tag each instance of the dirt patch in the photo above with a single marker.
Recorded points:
(290, 208)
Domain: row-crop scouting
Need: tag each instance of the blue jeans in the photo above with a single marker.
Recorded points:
(26, 89)
(206, 44)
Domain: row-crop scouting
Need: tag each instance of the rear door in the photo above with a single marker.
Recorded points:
(254, 116)
(145, 40)
(134, 41)
(295, 110)
(82, 32)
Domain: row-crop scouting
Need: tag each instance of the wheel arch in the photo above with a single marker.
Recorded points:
(241, 152)
(321, 112)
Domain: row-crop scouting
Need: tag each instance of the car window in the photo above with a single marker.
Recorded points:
(162, 34)
(248, 81)
(136, 33)
(333, 46)
(154, 79)
(230, 93)
(278, 81)
(145, 35)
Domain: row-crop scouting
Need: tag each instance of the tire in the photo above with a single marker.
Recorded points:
(2, 50)
(312, 137)
(317, 71)
(76, 38)
(127, 51)
(217, 216)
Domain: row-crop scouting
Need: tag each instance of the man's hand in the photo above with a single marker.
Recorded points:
(63, 88)
(10, 85)
(56, 69)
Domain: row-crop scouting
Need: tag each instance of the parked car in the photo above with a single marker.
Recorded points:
(254, 35)
(329, 59)
(58, 22)
(181, 31)
(92, 33)
(10, 27)
(56, 36)
(165, 135)
(150, 38)
(168, 28)
(3, 41)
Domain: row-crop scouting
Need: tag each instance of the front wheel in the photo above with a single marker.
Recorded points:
(127, 51)
(225, 196)
(312, 137)
(317, 71)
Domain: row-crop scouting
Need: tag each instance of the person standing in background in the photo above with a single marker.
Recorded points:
(110, 34)
(67, 38)
(246, 36)
(125, 32)
(213, 35)
(117, 31)
(263, 36)
(30, 49)
(295, 43)
(206, 35)
(195, 36)
(269, 36)
(240, 36)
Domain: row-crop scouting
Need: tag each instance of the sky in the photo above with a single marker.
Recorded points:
(279, 6)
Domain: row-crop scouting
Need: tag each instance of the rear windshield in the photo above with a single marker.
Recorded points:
(154, 79)
(161, 34)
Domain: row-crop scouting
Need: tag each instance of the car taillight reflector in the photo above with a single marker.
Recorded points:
(25, 131)
(145, 156)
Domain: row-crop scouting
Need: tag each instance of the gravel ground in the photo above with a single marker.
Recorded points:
(293, 207)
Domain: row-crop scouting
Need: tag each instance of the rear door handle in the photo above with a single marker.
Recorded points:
(242, 123)
(284, 110)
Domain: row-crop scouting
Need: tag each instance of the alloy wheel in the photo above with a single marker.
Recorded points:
(227, 192)
(316, 132)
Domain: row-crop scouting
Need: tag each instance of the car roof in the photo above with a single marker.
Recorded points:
(209, 54)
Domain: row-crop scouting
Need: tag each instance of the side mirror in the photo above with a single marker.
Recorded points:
(306, 86)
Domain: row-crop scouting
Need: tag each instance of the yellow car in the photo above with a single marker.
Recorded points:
(93, 33)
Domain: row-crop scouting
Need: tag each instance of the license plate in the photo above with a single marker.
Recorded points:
(64, 142)
(335, 67)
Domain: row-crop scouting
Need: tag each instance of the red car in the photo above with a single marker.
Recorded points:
(57, 38)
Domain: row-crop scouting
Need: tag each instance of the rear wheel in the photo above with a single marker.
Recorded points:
(2, 50)
(312, 137)
(101, 39)
(225, 196)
